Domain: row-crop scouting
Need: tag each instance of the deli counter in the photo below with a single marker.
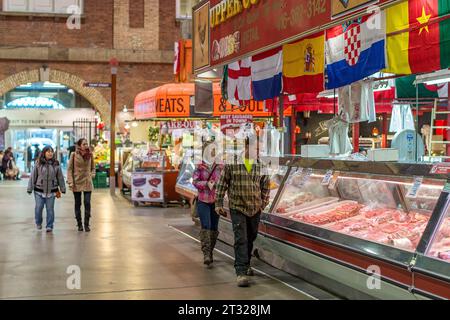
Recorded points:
(359, 229)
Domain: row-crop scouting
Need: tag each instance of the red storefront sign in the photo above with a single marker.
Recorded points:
(260, 25)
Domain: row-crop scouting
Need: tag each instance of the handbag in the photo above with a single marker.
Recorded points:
(194, 211)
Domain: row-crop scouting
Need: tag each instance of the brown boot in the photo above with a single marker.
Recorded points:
(205, 241)
(213, 236)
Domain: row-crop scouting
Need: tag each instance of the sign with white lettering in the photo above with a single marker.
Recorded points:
(97, 85)
(46, 118)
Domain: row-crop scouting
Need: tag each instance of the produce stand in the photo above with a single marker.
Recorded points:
(339, 223)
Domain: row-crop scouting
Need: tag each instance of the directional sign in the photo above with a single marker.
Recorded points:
(97, 84)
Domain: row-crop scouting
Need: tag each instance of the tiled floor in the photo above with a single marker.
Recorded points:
(131, 253)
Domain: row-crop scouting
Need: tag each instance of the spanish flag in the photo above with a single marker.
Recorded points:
(418, 36)
(303, 65)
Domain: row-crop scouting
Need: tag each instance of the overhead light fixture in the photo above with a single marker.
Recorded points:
(329, 94)
(134, 124)
(125, 109)
(437, 77)
(212, 74)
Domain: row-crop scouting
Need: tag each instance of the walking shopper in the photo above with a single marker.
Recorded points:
(9, 167)
(80, 173)
(247, 186)
(47, 182)
(205, 178)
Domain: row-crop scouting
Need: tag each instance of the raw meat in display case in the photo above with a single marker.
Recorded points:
(357, 215)
(440, 247)
(371, 208)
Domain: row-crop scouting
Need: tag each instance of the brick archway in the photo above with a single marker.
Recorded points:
(72, 81)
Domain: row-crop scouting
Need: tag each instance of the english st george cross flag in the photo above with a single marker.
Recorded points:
(355, 50)
(239, 81)
(267, 69)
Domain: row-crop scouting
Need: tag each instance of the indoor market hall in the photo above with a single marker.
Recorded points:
(130, 253)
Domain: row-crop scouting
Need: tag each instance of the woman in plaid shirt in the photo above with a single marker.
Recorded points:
(205, 178)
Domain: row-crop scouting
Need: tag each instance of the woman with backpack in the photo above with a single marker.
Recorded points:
(80, 172)
(47, 182)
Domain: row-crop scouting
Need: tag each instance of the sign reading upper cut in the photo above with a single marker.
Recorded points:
(240, 27)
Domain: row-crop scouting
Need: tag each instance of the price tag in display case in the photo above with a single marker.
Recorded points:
(415, 187)
(305, 178)
(294, 175)
(447, 187)
(333, 182)
(326, 180)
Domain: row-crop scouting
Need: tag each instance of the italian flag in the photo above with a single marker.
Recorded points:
(418, 36)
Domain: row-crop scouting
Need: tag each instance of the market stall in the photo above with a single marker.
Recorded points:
(174, 122)
(346, 224)
(150, 178)
(334, 221)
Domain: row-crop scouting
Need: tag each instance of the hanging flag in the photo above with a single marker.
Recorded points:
(406, 89)
(224, 83)
(239, 81)
(303, 65)
(267, 68)
(177, 58)
(355, 50)
(419, 36)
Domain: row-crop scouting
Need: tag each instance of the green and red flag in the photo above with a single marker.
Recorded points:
(418, 36)
(406, 89)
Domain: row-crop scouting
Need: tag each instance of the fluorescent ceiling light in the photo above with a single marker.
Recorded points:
(441, 76)
(213, 74)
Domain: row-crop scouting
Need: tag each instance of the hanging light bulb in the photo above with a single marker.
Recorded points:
(134, 124)
(125, 109)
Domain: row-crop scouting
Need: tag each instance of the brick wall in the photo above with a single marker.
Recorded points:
(159, 29)
(132, 78)
(96, 29)
(169, 29)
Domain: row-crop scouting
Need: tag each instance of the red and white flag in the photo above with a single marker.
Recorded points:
(239, 81)
(176, 62)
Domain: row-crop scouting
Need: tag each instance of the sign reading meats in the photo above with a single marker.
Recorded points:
(239, 27)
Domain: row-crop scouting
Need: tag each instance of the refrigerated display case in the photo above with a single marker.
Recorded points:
(184, 185)
(339, 222)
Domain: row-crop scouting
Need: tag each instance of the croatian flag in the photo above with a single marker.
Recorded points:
(267, 68)
(239, 81)
(355, 50)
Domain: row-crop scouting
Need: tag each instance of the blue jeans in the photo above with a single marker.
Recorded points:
(209, 219)
(42, 202)
(245, 231)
